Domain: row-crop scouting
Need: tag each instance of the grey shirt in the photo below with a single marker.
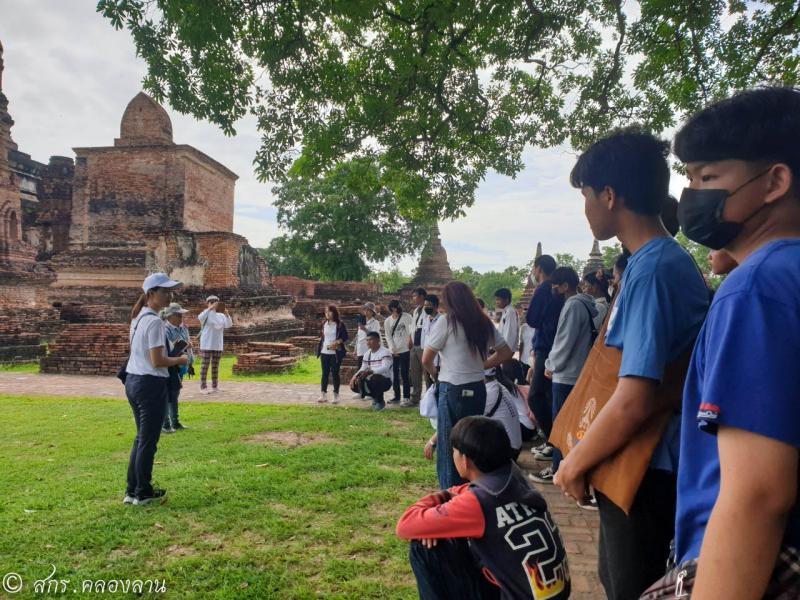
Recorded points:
(573, 339)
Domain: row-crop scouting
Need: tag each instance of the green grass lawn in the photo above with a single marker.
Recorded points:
(247, 516)
(30, 368)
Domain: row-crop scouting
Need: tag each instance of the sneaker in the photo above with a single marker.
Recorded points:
(205, 391)
(543, 476)
(406, 403)
(323, 398)
(357, 396)
(589, 503)
(543, 452)
(156, 495)
(370, 398)
(167, 430)
(378, 405)
(180, 427)
(335, 398)
(129, 499)
(394, 401)
(215, 391)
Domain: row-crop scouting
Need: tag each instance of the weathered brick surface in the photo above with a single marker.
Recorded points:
(88, 349)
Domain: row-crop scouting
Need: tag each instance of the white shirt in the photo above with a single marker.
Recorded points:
(460, 363)
(398, 343)
(150, 334)
(329, 330)
(214, 324)
(361, 336)
(526, 333)
(418, 317)
(379, 362)
(426, 329)
(506, 411)
(509, 326)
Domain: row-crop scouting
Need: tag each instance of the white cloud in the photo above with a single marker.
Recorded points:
(69, 76)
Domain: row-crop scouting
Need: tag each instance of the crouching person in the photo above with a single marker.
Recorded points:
(374, 377)
(490, 538)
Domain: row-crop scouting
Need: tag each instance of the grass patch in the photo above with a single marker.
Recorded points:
(243, 519)
(308, 370)
(30, 368)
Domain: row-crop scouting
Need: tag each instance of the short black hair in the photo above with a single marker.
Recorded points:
(546, 262)
(758, 125)
(633, 163)
(421, 292)
(503, 293)
(395, 304)
(565, 275)
(669, 215)
(433, 299)
(622, 262)
(373, 334)
(482, 440)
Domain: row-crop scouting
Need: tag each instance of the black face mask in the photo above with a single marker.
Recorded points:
(428, 310)
(700, 215)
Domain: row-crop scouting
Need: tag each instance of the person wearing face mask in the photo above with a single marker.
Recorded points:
(738, 522)
(575, 335)
(432, 314)
(399, 329)
(655, 319)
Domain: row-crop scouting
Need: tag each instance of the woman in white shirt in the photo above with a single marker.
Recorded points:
(399, 330)
(214, 320)
(331, 351)
(464, 340)
(146, 384)
(366, 323)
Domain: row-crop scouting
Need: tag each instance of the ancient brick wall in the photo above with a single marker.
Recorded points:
(54, 213)
(208, 197)
(120, 194)
(88, 349)
(340, 291)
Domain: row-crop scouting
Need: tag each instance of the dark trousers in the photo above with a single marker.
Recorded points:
(171, 413)
(540, 395)
(400, 368)
(634, 548)
(147, 396)
(375, 386)
(330, 366)
(449, 571)
(453, 404)
(560, 393)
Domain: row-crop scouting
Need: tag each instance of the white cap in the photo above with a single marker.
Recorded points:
(212, 299)
(158, 280)
(173, 309)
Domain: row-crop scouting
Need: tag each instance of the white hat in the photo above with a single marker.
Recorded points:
(158, 280)
(173, 309)
(212, 299)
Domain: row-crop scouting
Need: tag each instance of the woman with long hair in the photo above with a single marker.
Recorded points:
(146, 384)
(468, 344)
(596, 285)
(331, 351)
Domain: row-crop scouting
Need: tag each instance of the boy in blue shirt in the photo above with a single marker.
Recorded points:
(737, 518)
(655, 319)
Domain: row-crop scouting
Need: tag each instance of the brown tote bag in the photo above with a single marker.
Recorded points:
(618, 477)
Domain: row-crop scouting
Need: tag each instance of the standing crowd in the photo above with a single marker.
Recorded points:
(673, 414)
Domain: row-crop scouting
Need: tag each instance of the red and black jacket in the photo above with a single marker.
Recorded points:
(510, 532)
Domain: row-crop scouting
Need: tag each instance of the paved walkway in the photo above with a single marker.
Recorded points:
(579, 528)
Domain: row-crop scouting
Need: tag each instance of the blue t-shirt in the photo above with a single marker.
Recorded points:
(745, 373)
(660, 309)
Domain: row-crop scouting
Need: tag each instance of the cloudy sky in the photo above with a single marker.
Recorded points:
(69, 75)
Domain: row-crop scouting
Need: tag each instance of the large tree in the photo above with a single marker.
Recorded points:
(440, 91)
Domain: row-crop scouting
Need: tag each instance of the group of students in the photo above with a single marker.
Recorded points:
(161, 356)
(715, 509)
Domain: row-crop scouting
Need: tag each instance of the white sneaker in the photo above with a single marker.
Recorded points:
(356, 396)
(370, 398)
(335, 399)
(543, 452)
(323, 398)
(129, 499)
(205, 391)
(543, 476)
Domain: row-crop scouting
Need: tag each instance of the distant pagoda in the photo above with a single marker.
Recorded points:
(433, 271)
(530, 284)
(595, 262)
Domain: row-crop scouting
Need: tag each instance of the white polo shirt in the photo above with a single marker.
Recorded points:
(214, 324)
(150, 334)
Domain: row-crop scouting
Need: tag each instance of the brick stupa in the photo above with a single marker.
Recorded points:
(433, 271)
(530, 283)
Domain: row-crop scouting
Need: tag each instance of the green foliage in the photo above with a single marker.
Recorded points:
(283, 257)
(391, 280)
(565, 259)
(486, 284)
(345, 218)
(248, 515)
(610, 254)
(441, 91)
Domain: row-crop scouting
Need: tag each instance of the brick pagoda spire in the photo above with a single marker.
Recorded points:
(434, 269)
(530, 284)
